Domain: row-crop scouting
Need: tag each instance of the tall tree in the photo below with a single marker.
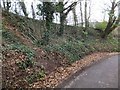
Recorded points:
(81, 14)
(113, 20)
(7, 4)
(47, 10)
(4, 6)
(86, 20)
(63, 14)
(0, 5)
(33, 11)
(16, 8)
(89, 14)
(23, 7)
(75, 16)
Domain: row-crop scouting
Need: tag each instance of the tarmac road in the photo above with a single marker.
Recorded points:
(100, 75)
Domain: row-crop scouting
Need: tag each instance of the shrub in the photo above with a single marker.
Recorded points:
(28, 62)
(75, 50)
(9, 37)
(101, 25)
(35, 76)
(25, 64)
(22, 48)
(72, 50)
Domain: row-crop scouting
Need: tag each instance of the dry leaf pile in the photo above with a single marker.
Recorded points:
(63, 73)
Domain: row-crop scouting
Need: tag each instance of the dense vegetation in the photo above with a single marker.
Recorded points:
(33, 48)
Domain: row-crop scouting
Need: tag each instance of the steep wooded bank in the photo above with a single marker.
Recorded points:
(26, 61)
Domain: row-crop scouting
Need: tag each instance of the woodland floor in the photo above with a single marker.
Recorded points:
(49, 69)
(43, 60)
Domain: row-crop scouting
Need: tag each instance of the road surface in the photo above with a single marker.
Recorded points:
(100, 75)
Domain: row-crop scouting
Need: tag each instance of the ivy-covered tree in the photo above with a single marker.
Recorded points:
(47, 11)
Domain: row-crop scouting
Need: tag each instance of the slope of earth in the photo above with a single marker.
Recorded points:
(23, 62)
(29, 64)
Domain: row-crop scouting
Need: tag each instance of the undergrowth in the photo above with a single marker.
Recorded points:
(13, 43)
(35, 76)
(75, 50)
(74, 47)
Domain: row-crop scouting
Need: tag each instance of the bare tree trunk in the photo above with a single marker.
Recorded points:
(23, 7)
(4, 4)
(112, 22)
(8, 5)
(33, 11)
(16, 8)
(63, 15)
(81, 13)
(0, 4)
(75, 17)
(86, 22)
